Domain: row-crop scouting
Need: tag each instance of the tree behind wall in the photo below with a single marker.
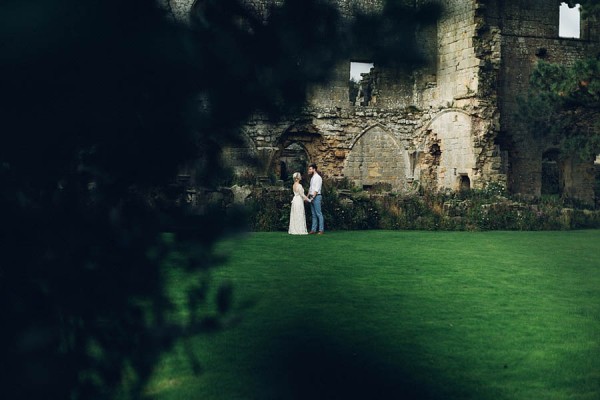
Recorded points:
(589, 8)
(563, 106)
(563, 103)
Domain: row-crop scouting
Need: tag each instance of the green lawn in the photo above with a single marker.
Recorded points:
(393, 315)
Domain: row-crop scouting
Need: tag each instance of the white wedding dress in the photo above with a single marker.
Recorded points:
(297, 217)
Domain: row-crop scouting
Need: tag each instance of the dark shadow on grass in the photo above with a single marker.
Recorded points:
(313, 364)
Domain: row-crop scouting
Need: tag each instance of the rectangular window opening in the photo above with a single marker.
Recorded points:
(360, 85)
(570, 21)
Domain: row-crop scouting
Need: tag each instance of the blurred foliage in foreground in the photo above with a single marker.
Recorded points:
(102, 101)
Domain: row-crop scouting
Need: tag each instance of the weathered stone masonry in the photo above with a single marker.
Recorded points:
(530, 33)
(449, 125)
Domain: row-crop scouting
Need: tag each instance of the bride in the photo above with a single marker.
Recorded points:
(297, 217)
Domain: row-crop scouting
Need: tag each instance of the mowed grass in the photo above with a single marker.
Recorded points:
(401, 315)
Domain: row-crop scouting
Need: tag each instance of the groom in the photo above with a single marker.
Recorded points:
(315, 195)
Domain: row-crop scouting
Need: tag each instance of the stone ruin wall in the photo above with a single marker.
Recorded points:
(430, 126)
(444, 126)
(529, 34)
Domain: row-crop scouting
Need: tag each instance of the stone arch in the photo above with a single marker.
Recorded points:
(453, 130)
(294, 158)
(464, 183)
(377, 157)
(298, 146)
(369, 129)
(241, 157)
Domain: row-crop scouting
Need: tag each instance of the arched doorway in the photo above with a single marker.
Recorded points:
(294, 158)
(464, 183)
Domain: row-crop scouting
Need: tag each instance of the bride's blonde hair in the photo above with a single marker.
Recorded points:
(296, 176)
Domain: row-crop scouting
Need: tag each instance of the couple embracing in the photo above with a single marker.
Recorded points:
(297, 217)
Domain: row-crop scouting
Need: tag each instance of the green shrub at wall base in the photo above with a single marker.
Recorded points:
(348, 208)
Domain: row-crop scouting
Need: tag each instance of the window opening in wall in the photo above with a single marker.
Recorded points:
(550, 173)
(569, 22)
(360, 88)
(283, 172)
(436, 152)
